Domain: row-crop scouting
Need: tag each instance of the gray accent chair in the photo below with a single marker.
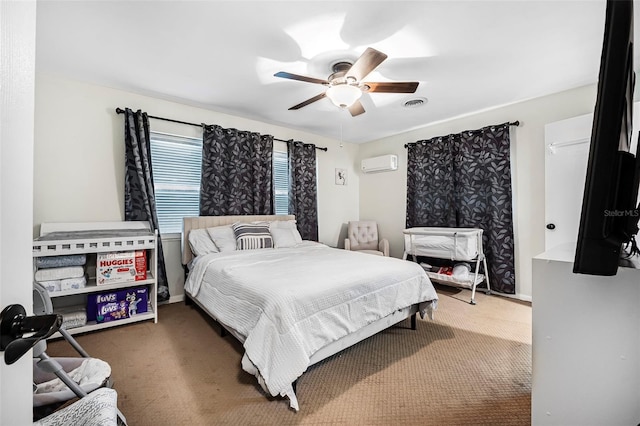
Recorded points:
(363, 236)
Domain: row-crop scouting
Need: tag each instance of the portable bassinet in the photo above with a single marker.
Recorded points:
(455, 244)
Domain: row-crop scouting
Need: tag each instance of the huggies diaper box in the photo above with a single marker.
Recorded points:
(115, 305)
(122, 266)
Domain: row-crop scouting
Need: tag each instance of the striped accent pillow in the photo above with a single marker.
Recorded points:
(252, 236)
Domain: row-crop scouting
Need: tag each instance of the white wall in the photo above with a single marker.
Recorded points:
(383, 195)
(79, 158)
(17, 56)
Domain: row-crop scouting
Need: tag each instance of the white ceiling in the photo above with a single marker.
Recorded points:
(221, 55)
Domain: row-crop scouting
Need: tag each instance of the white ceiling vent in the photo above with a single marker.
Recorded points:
(415, 103)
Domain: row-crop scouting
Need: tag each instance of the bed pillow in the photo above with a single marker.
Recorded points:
(283, 237)
(252, 236)
(282, 224)
(223, 237)
(287, 224)
(201, 243)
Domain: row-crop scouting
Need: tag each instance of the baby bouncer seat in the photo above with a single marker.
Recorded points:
(58, 380)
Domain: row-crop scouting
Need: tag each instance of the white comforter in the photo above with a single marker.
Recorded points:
(290, 302)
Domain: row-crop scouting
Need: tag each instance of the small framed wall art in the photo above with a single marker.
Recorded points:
(341, 176)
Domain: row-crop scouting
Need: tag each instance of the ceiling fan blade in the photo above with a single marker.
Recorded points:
(283, 74)
(308, 101)
(356, 109)
(394, 87)
(366, 63)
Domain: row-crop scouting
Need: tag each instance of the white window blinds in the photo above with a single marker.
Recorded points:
(176, 162)
(281, 182)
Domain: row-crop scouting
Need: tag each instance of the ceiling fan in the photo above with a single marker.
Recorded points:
(345, 85)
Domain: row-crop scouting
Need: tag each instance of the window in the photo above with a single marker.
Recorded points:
(177, 165)
(177, 161)
(281, 182)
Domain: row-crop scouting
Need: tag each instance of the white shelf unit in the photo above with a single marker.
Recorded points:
(456, 244)
(90, 238)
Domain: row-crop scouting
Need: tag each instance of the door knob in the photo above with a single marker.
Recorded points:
(551, 226)
(14, 324)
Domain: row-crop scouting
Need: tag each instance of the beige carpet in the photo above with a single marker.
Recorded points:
(471, 366)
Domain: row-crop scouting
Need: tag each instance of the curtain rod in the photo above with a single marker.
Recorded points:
(512, 123)
(121, 111)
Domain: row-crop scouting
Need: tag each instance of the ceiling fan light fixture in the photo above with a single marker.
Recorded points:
(343, 95)
(345, 84)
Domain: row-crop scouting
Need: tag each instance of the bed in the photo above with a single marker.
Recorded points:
(298, 303)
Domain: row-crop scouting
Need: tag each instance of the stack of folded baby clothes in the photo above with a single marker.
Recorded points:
(72, 316)
(59, 273)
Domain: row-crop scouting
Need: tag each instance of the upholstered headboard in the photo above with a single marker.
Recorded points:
(198, 222)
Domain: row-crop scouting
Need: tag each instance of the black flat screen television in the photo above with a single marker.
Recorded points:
(609, 218)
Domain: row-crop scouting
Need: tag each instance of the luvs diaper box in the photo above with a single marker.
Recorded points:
(116, 305)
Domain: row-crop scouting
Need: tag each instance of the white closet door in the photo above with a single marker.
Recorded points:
(566, 156)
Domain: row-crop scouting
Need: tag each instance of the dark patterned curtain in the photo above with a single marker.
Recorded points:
(236, 173)
(303, 188)
(139, 196)
(430, 190)
(464, 181)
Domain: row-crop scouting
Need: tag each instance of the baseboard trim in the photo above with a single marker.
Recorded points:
(176, 299)
(521, 297)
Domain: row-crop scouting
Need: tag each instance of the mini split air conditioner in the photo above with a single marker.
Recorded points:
(379, 164)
